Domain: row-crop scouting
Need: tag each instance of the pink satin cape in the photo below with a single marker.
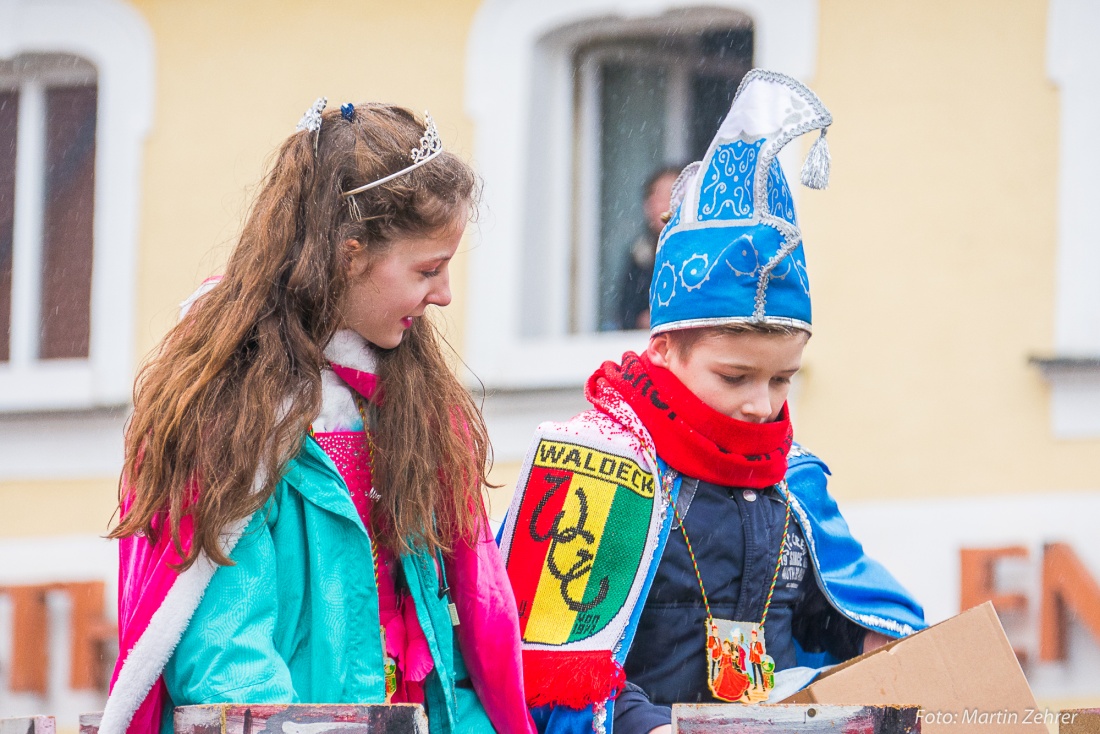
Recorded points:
(488, 635)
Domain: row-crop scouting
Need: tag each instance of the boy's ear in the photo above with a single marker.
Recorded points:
(658, 349)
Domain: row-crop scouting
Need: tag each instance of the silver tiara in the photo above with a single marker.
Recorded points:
(311, 121)
(430, 146)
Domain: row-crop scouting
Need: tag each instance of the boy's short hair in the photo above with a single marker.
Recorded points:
(684, 340)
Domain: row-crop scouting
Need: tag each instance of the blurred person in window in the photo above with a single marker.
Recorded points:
(633, 308)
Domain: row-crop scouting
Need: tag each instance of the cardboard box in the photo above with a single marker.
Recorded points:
(961, 672)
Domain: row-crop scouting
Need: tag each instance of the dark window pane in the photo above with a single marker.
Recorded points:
(9, 119)
(632, 146)
(713, 96)
(731, 44)
(67, 241)
(662, 97)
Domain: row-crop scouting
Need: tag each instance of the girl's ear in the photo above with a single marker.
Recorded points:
(357, 258)
(658, 350)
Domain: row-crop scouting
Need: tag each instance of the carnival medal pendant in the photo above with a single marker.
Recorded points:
(739, 669)
(389, 670)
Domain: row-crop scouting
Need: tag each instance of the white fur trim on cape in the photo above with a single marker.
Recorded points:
(154, 648)
(349, 349)
(338, 409)
(202, 290)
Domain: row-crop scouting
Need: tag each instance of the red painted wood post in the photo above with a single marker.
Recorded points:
(29, 662)
(88, 635)
(28, 725)
(790, 718)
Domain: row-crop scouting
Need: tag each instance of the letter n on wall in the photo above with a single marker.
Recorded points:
(1068, 588)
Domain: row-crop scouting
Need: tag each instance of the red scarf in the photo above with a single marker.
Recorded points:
(692, 437)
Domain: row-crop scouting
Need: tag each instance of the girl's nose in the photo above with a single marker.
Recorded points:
(440, 295)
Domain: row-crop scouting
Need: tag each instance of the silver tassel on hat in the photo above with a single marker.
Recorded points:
(815, 171)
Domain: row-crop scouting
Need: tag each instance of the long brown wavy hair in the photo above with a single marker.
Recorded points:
(228, 397)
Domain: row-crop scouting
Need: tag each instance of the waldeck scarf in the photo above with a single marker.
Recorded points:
(692, 437)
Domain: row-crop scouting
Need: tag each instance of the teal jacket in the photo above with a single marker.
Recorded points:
(295, 619)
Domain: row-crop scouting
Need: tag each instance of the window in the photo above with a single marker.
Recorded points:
(547, 84)
(76, 93)
(1073, 61)
(47, 192)
(644, 104)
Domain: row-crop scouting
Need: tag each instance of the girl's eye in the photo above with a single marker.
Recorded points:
(733, 379)
(430, 273)
(781, 380)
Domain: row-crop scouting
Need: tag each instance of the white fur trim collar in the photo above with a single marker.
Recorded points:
(348, 349)
(338, 409)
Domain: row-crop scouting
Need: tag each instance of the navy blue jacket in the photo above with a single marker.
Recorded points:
(816, 622)
(736, 535)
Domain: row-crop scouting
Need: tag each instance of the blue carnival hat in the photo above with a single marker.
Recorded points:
(732, 252)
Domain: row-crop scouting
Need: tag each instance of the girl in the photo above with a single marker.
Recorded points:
(302, 517)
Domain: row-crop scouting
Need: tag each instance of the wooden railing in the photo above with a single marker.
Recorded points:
(410, 719)
(289, 719)
(89, 636)
(802, 718)
(28, 725)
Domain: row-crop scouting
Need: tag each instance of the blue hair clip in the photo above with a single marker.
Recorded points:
(347, 111)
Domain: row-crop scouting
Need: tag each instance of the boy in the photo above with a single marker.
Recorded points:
(674, 544)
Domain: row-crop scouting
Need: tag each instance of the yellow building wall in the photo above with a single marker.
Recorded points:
(945, 165)
(37, 508)
(233, 79)
(932, 254)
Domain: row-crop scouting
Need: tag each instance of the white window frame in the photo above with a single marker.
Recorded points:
(1073, 64)
(116, 40)
(520, 96)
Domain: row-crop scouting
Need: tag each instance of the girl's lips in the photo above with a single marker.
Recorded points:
(407, 321)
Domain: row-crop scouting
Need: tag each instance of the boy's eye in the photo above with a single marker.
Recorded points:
(732, 379)
(430, 273)
(781, 380)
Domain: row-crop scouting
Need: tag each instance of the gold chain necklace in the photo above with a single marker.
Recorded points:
(389, 665)
(738, 666)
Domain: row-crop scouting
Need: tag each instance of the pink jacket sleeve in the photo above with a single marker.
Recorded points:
(489, 632)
